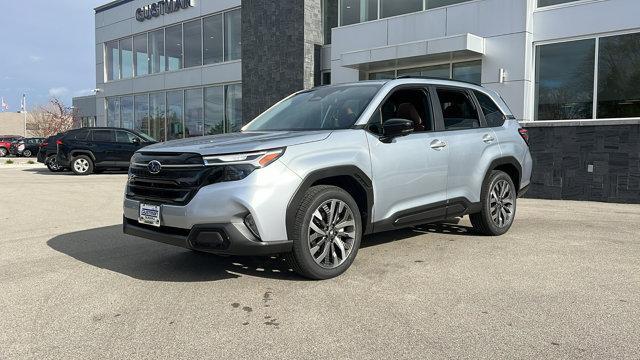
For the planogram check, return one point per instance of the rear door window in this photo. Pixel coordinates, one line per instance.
(458, 111)
(125, 137)
(492, 113)
(103, 135)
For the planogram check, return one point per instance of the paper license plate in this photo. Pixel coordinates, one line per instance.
(149, 215)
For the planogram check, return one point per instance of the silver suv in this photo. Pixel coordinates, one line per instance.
(320, 169)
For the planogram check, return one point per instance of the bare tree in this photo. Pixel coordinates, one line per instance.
(53, 118)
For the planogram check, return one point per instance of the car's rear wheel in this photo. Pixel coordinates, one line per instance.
(26, 153)
(327, 232)
(52, 164)
(82, 165)
(498, 205)
(3, 152)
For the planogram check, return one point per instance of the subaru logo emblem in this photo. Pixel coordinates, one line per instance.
(154, 166)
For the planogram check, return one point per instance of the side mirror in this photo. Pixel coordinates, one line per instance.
(394, 128)
(135, 141)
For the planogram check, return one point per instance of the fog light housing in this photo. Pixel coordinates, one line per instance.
(250, 223)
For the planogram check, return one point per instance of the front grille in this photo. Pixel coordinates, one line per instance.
(180, 178)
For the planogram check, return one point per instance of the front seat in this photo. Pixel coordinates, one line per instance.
(409, 112)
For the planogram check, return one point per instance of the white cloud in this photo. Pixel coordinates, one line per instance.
(35, 58)
(83, 92)
(58, 91)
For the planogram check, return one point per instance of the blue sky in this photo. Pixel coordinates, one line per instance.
(47, 48)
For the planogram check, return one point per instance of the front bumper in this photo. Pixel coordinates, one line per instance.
(223, 239)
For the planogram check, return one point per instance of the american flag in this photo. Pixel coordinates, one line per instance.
(3, 105)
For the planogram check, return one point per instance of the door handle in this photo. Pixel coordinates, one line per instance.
(488, 138)
(438, 145)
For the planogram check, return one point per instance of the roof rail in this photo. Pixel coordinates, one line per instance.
(434, 78)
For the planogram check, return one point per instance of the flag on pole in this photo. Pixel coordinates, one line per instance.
(23, 103)
(3, 105)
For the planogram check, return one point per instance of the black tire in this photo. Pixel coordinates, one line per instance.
(484, 222)
(52, 165)
(85, 169)
(300, 259)
(3, 152)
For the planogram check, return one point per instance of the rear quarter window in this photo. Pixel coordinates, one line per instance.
(492, 113)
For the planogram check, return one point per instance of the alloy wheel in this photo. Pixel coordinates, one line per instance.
(502, 203)
(332, 233)
(81, 165)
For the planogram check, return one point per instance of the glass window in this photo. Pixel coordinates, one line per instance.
(194, 113)
(564, 80)
(156, 51)
(112, 60)
(125, 137)
(458, 111)
(406, 104)
(173, 47)
(329, 18)
(213, 39)
(126, 56)
(103, 135)
(214, 110)
(322, 108)
(140, 55)
(78, 135)
(383, 75)
(193, 43)
(618, 64)
(492, 113)
(432, 4)
(355, 11)
(157, 118)
(398, 7)
(126, 112)
(470, 71)
(326, 78)
(233, 109)
(542, 3)
(233, 35)
(175, 112)
(113, 112)
(437, 71)
(141, 117)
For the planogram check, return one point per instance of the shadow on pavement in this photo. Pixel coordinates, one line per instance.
(109, 248)
(45, 171)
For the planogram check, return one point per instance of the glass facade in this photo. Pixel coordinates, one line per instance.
(469, 71)
(542, 3)
(357, 11)
(564, 80)
(179, 113)
(618, 75)
(209, 40)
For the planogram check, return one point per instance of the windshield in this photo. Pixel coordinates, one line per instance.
(325, 108)
(145, 137)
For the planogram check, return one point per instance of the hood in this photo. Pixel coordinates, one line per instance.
(238, 142)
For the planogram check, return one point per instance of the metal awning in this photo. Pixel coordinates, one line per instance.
(417, 51)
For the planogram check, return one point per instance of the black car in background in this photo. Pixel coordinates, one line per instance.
(26, 147)
(89, 150)
(48, 151)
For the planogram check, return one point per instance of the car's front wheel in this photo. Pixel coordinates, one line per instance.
(3, 152)
(82, 165)
(498, 205)
(327, 232)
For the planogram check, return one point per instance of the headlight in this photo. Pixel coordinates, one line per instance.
(234, 167)
(258, 159)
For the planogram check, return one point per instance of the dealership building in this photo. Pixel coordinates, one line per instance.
(569, 70)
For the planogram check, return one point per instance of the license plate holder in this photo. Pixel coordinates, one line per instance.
(150, 214)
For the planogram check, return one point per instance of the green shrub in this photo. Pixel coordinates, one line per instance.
(30, 162)
(9, 162)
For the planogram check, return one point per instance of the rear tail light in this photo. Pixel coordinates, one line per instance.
(525, 135)
(43, 144)
(58, 142)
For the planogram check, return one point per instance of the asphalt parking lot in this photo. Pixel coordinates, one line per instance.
(563, 283)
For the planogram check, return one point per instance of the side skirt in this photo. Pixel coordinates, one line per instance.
(426, 214)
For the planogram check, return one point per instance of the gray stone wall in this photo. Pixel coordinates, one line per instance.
(596, 163)
(279, 55)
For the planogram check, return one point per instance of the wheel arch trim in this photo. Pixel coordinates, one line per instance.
(352, 171)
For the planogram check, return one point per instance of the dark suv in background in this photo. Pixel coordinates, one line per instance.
(26, 147)
(48, 151)
(89, 150)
